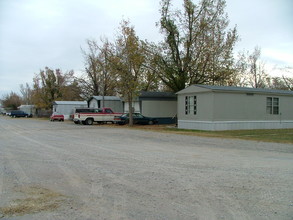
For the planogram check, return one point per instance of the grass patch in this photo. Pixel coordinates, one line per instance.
(36, 199)
(266, 135)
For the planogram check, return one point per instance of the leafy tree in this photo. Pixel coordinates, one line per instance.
(127, 61)
(11, 101)
(50, 85)
(70, 88)
(197, 46)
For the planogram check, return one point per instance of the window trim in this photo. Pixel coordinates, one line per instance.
(273, 105)
(191, 105)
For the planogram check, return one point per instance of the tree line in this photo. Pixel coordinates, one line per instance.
(197, 48)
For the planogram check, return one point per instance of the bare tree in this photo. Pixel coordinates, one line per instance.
(98, 80)
(27, 93)
(277, 83)
(257, 74)
(251, 70)
(288, 80)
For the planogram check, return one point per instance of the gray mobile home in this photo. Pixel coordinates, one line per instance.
(112, 102)
(160, 105)
(207, 107)
(66, 108)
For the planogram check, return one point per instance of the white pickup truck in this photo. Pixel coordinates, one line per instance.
(91, 115)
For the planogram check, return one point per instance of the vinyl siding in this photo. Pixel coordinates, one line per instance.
(159, 108)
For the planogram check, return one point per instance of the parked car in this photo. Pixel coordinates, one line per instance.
(18, 113)
(56, 117)
(137, 119)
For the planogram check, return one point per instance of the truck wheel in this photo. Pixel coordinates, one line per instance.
(89, 121)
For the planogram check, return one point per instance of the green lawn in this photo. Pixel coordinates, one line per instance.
(272, 135)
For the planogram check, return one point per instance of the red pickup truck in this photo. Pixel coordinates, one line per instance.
(88, 116)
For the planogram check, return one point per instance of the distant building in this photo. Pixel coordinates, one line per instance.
(67, 108)
(29, 109)
(112, 102)
(160, 105)
(205, 107)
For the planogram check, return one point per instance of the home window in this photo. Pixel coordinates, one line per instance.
(272, 105)
(190, 105)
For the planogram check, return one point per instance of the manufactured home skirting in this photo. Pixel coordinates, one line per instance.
(233, 125)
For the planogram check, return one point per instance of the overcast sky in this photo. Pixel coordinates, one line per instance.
(39, 33)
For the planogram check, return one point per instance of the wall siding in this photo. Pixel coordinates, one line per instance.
(135, 105)
(233, 125)
(66, 110)
(159, 108)
(240, 106)
(93, 103)
(116, 106)
(205, 103)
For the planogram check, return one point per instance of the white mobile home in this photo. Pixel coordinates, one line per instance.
(66, 108)
(206, 107)
(112, 102)
(29, 109)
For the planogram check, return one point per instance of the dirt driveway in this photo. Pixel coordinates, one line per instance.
(55, 170)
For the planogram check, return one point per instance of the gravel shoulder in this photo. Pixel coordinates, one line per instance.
(55, 170)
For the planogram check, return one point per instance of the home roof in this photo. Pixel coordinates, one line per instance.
(144, 94)
(26, 106)
(70, 102)
(108, 98)
(243, 89)
(158, 96)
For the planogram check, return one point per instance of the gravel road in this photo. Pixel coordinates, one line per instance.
(59, 170)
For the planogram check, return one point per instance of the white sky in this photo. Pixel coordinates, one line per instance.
(39, 33)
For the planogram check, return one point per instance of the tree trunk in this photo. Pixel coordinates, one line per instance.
(130, 110)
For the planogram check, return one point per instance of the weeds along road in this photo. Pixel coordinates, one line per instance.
(55, 170)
